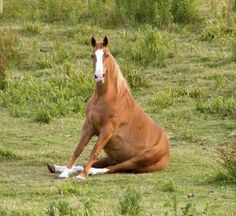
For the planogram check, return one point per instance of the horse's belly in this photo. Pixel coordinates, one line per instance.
(120, 149)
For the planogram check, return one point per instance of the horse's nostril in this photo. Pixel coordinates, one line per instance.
(103, 75)
(95, 76)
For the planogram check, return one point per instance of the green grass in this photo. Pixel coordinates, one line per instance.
(47, 76)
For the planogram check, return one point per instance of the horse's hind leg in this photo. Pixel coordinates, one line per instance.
(128, 165)
(102, 162)
(160, 165)
(156, 158)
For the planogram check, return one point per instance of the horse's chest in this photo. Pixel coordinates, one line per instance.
(96, 118)
(98, 113)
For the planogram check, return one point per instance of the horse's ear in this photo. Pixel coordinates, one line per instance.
(93, 42)
(105, 41)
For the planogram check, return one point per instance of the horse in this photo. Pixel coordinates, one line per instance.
(132, 141)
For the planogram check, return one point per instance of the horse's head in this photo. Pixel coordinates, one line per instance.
(100, 54)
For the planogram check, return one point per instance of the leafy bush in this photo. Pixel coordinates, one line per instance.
(130, 204)
(184, 11)
(228, 163)
(149, 46)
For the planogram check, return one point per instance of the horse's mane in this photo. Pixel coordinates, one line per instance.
(121, 83)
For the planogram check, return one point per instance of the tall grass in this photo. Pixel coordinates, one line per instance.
(234, 50)
(214, 29)
(221, 106)
(2, 72)
(44, 10)
(31, 28)
(184, 11)
(114, 12)
(6, 154)
(135, 78)
(59, 95)
(60, 208)
(9, 48)
(227, 161)
(150, 46)
(156, 12)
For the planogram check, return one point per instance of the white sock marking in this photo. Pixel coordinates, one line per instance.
(65, 172)
(94, 171)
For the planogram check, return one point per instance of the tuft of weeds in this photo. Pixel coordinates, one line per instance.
(186, 210)
(130, 204)
(6, 154)
(222, 106)
(44, 61)
(60, 208)
(67, 188)
(150, 46)
(234, 50)
(61, 54)
(9, 52)
(213, 30)
(184, 11)
(31, 28)
(2, 73)
(43, 115)
(227, 161)
(161, 101)
(169, 186)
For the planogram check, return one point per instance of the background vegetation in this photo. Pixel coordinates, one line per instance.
(179, 57)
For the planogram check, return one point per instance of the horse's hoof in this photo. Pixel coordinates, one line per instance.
(51, 168)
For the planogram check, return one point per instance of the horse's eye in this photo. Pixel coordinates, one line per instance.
(92, 56)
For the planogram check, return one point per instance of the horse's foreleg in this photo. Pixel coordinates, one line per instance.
(86, 135)
(105, 134)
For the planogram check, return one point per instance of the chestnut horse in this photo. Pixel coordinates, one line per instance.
(131, 140)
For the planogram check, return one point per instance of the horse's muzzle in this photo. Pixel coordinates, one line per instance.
(99, 79)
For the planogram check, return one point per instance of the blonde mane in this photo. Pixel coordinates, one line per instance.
(121, 83)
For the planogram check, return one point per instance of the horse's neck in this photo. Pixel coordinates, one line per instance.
(114, 81)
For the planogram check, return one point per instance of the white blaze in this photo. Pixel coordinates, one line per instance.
(99, 69)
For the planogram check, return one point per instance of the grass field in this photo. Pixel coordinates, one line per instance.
(184, 76)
